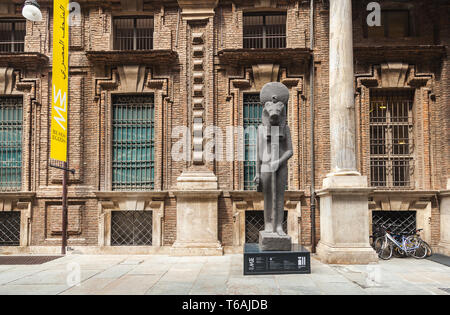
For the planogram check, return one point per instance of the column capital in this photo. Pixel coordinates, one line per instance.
(197, 9)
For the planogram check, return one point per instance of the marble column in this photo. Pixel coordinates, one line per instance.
(342, 99)
(444, 244)
(344, 209)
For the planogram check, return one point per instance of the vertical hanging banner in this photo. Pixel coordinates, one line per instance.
(60, 81)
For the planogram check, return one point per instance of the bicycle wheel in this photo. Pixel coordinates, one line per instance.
(429, 249)
(420, 250)
(398, 252)
(384, 248)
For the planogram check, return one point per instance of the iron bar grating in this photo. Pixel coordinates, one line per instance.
(254, 223)
(131, 228)
(401, 221)
(10, 228)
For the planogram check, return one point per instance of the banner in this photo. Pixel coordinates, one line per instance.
(60, 78)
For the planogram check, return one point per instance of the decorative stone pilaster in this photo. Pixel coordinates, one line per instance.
(344, 209)
(197, 194)
(444, 244)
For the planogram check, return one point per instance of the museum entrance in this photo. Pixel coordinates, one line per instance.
(10, 228)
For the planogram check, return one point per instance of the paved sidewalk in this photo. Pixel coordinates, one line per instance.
(217, 275)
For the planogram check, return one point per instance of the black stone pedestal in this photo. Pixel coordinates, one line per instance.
(257, 262)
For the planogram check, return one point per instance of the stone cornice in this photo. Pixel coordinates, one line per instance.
(138, 195)
(197, 9)
(17, 195)
(125, 57)
(21, 60)
(281, 56)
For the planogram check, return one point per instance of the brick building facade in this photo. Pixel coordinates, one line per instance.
(138, 69)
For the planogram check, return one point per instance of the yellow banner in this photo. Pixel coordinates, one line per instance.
(60, 84)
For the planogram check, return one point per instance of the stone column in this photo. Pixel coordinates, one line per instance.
(444, 244)
(344, 209)
(197, 195)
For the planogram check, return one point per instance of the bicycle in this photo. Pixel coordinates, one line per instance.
(407, 245)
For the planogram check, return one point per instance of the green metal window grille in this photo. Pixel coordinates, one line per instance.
(133, 143)
(11, 117)
(252, 118)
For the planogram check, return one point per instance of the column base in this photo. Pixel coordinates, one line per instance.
(346, 255)
(344, 221)
(196, 249)
(444, 248)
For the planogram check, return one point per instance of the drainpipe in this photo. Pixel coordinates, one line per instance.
(313, 156)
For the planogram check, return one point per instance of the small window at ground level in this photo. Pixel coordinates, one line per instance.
(254, 222)
(10, 228)
(131, 228)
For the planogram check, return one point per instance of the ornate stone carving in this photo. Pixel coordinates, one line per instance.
(265, 73)
(7, 80)
(131, 78)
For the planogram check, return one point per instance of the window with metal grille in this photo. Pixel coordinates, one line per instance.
(10, 228)
(394, 24)
(133, 33)
(10, 143)
(391, 138)
(265, 30)
(131, 228)
(252, 119)
(398, 222)
(12, 35)
(133, 142)
(254, 222)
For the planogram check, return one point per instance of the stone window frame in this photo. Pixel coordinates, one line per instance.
(19, 202)
(13, 84)
(135, 201)
(122, 83)
(391, 75)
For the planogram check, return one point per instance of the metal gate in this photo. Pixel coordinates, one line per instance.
(10, 228)
(400, 221)
(131, 228)
(254, 222)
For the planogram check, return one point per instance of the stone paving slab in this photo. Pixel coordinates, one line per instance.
(158, 274)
